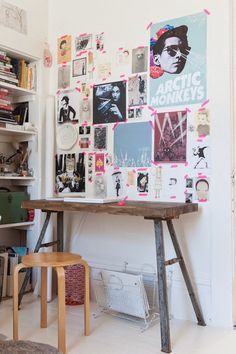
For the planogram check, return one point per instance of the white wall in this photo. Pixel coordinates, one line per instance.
(205, 237)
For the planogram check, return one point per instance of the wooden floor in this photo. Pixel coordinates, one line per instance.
(111, 335)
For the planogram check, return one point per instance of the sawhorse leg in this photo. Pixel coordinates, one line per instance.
(188, 283)
(162, 288)
(36, 249)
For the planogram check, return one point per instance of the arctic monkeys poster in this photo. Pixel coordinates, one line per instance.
(178, 61)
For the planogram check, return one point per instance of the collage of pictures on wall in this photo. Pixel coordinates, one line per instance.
(134, 123)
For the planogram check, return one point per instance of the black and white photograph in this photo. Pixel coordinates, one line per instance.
(83, 42)
(131, 113)
(142, 182)
(189, 183)
(139, 60)
(68, 107)
(63, 77)
(85, 110)
(79, 67)
(117, 184)
(109, 102)
(100, 187)
(70, 173)
(81, 130)
(137, 90)
(100, 138)
(188, 197)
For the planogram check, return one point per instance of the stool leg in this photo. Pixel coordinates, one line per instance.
(44, 284)
(18, 267)
(61, 309)
(86, 301)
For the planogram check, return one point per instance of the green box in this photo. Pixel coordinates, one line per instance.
(10, 207)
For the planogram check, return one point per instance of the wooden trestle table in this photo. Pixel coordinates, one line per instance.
(156, 211)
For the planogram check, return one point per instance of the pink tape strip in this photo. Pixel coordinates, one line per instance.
(151, 108)
(141, 46)
(83, 34)
(100, 125)
(149, 25)
(120, 48)
(206, 11)
(201, 109)
(116, 168)
(188, 109)
(125, 198)
(154, 113)
(186, 163)
(78, 89)
(99, 174)
(202, 200)
(121, 76)
(173, 197)
(202, 135)
(174, 165)
(186, 176)
(202, 176)
(142, 169)
(154, 162)
(199, 140)
(134, 171)
(152, 125)
(64, 36)
(58, 92)
(143, 194)
(115, 125)
(205, 103)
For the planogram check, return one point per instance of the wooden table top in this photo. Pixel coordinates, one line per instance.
(151, 210)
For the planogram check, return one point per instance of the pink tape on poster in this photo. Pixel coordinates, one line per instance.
(89, 142)
(173, 197)
(202, 200)
(185, 192)
(116, 168)
(81, 53)
(206, 12)
(64, 36)
(78, 82)
(85, 99)
(199, 140)
(120, 48)
(201, 109)
(149, 25)
(202, 176)
(125, 198)
(99, 174)
(188, 109)
(58, 92)
(127, 184)
(78, 89)
(202, 135)
(141, 107)
(186, 163)
(100, 125)
(186, 176)
(205, 103)
(151, 123)
(143, 194)
(91, 85)
(74, 123)
(125, 81)
(84, 124)
(134, 171)
(142, 169)
(83, 34)
(154, 163)
(121, 76)
(104, 79)
(174, 165)
(151, 108)
(141, 46)
(104, 52)
(64, 65)
(115, 125)
(154, 113)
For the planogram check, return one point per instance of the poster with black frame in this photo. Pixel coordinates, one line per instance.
(109, 102)
(178, 61)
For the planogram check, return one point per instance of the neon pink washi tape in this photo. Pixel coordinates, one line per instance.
(58, 92)
(78, 89)
(64, 36)
(83, 34)
(149, 25)
(205, 103)
(121, 76)
(116, 168)
(141, 46)
(143, 194)
(173, 197)
(202, 176)
(151, 123)
(206, 11)
(151, 108)
(186, 163)
(134, 171)
(201, 109)
(142, 169)
(115, 125)
(188, 109)
(174, 165)
(186, 176)
(154, 162)
(120, 48)
(199, 140)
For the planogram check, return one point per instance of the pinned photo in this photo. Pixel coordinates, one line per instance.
(109, 102)
(137, 90)
(79, 67)
(63, 49)
(202, 123)
(99, 41)
(100, 138)
(64, 77)
(139, 60)
(68, 107)
(83, 42)
(142, 182)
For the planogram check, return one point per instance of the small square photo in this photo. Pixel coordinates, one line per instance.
(79, 67)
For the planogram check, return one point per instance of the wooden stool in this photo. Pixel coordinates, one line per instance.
(56, 260)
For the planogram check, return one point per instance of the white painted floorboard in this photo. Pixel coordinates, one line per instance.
(111, 335)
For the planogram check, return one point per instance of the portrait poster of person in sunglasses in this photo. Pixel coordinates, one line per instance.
(178, 61)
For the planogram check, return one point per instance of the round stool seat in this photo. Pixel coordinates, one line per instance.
(26, 347)
(51, 259)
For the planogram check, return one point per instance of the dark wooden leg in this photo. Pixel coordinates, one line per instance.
(60, 231)
(162, 288)
(195, 304)
(36, 249)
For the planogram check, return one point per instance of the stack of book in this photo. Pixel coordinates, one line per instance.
(6, 109)
(25, 72)
(7, 73)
